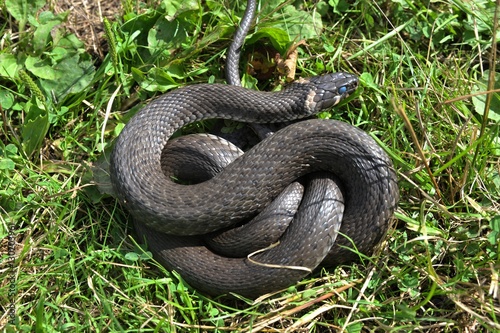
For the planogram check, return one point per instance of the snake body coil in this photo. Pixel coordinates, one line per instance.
(166, 212)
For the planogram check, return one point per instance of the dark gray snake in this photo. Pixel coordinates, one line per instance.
(353, 185)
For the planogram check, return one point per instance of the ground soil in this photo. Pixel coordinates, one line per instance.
(85, 20)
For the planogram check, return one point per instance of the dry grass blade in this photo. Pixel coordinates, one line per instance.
(284, 314)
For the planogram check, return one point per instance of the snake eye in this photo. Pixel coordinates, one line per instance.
(342, 90)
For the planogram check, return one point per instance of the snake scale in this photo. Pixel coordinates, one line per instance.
(350, 198)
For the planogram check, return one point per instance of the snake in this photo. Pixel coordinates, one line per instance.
(348, 201)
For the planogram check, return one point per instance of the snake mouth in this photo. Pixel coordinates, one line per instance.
(332, 88)
(351, 84)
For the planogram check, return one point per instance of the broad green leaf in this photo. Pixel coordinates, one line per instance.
(6, 99)
(10, 150)
(137, 74)
(41, 68)
(35, 128)
(322, 7)
(42, 36)
(70, 42)
(176, 71)
(494, 235)
(71, 75)
(132, 256)
(58, 54)
(8, 65)
(278, 37)
(296, 24)
(175, 8)
(301, 24)
(339, 6)
(159, 80)
(7, 164)
(22, 9)
(480, 100)
(169, 34)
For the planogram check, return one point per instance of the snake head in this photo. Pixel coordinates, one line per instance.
(331, 88)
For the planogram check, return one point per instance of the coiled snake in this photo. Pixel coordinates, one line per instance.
(171, 215)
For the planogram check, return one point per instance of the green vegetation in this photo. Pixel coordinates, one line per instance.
(425, 69)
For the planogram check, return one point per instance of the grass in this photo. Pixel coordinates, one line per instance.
(426, 70)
